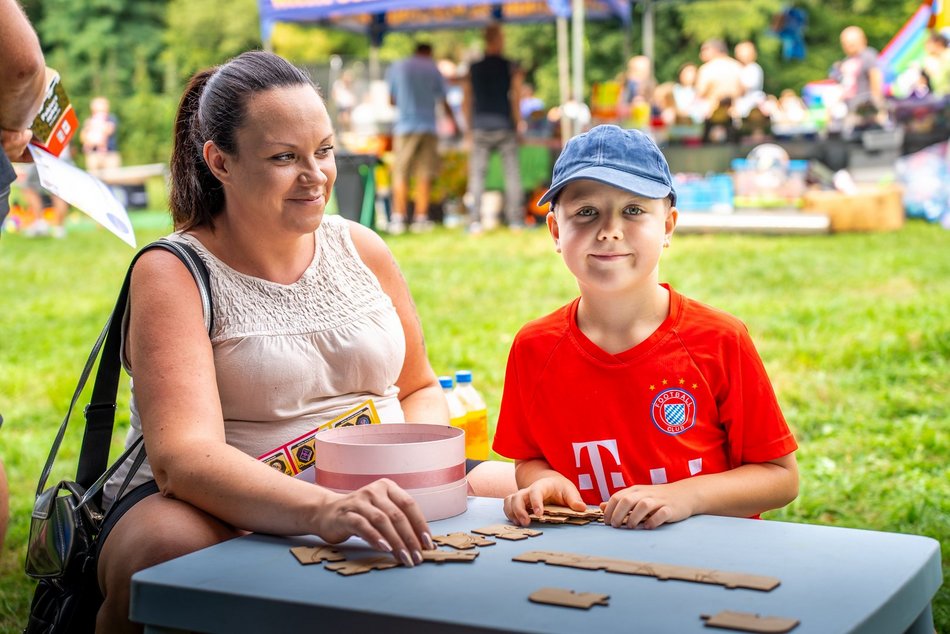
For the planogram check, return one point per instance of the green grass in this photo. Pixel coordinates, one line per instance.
(853, 328)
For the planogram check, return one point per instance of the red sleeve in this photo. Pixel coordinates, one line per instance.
(513, 437)
(755, 426)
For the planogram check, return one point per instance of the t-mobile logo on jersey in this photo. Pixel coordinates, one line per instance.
(592, 449)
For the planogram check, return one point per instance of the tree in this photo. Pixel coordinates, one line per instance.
(207, 33)
(94, 43)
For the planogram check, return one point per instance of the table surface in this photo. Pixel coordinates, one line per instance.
(832, 580)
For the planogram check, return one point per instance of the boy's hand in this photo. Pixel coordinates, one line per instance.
(554, 489)
(646, 506)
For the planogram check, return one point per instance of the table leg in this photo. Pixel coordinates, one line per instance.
(924, 623)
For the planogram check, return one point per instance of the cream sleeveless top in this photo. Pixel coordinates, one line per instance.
(289, 358)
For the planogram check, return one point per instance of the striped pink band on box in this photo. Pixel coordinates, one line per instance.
(416, 480)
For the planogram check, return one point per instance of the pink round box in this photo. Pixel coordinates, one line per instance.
(428, 461)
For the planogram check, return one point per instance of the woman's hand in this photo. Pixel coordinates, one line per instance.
(555, 489)
(646, 506)
(383, 515)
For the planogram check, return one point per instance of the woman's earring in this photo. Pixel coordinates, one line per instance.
(666, 242)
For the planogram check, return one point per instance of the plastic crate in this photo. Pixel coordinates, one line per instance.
(713, 193)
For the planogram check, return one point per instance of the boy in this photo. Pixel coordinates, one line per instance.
(632, 396)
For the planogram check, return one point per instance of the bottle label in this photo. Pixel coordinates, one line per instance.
(476, 435)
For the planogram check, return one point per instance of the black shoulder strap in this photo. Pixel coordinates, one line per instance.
(100, 413)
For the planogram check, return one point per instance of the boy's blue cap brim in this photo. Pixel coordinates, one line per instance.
(626, 181)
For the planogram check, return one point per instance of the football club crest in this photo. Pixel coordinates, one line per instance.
(674, 411)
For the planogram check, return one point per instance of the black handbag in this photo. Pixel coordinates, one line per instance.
(67, 517)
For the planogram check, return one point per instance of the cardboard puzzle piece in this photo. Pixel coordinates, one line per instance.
(749, 622)
(556, 514)
(441, 556)
(660, 571)
(568, 598)
(462, 541)
(547, 519)
(359, 566)
(592, 512)
(579, 521)
(307, 555)
(507, 531)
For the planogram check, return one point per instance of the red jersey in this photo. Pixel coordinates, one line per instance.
(692, 398)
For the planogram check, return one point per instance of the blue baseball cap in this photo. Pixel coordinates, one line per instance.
(627, 159)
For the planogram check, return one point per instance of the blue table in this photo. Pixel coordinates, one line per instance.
(832, 580)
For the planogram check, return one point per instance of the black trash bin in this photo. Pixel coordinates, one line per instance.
(355, 188)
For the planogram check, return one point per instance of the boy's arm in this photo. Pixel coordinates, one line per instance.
(744, 491)
(538, 483)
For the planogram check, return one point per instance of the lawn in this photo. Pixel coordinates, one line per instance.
(853, 328)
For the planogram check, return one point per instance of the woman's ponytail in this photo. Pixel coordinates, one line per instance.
(195, 193)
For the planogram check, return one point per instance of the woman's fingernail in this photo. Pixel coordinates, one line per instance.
(405, 558)
(427, 541)
(417, 557)
(383, 545)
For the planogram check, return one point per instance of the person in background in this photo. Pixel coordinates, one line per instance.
(23, 81)
(858, 74)
(416, 88)
(789, 108)
(664, 104)
(719, 78)
(633, 397)
(344, 99)
(99, 137)
(752, 78)
(532, 111)
(636, 85)
(455, 96)
(492, 123)
(688, 106)
(33, 193)
(936, 64)
(311, 318)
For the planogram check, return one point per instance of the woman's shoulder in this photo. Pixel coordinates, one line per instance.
(367, 243)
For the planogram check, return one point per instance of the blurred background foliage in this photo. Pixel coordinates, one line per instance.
(140, 53)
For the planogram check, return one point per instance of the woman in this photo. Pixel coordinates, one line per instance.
(311, 316)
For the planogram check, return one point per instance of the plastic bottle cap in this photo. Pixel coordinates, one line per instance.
(463, 376)
(445, 381)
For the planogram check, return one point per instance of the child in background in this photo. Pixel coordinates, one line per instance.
(634, 397)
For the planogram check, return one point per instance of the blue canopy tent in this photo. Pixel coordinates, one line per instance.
(375, 18)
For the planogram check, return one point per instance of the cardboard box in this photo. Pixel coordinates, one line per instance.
(56, 121)
(877, 208)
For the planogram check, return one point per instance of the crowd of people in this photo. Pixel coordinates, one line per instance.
(720, 96)
(729, 89)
